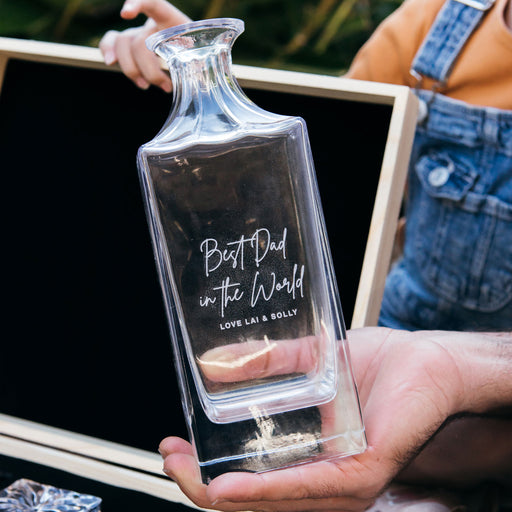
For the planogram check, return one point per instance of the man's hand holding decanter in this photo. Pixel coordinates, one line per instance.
(409, 384)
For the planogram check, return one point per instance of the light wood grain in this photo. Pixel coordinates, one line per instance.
(93, 469)
(386, 211)
(81, 444)
(247, 76)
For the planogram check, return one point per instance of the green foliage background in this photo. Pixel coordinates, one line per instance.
(310, 35)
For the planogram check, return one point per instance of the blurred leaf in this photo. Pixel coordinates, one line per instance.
(315, 20)
(214, 9)
(70, 10)
(332, 27)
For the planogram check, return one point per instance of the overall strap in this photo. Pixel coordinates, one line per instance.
(452, 27)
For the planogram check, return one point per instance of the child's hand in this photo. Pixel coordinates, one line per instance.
(128, 48)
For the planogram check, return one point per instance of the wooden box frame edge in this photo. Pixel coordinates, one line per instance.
(136, 469)
(88, 457)
(394, 164)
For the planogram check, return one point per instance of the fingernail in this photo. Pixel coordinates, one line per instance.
(169, 473)
(166, 87)
(109, 57)
(127, 6)
(143, 84)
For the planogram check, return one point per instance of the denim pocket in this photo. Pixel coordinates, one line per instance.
(462, 238)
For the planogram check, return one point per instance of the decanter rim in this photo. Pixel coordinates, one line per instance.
(228, 23)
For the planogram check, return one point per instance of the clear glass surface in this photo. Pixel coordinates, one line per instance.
(244, 264)
(29, 496)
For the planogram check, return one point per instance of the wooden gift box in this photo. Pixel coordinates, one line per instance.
(87, 385)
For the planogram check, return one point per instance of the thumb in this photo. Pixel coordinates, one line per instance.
(162, 12)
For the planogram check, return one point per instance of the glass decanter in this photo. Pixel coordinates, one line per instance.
(245, 268)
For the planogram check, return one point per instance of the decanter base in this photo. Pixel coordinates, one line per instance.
(285, 450)
(282, 440)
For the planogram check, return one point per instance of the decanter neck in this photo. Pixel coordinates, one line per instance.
(207, 100)
(205, 90)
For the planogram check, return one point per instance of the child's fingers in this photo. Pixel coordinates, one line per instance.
(107, 47)
(124, 52)
(162, 12)
(148, 64)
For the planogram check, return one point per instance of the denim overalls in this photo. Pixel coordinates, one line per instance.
(456, 271)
